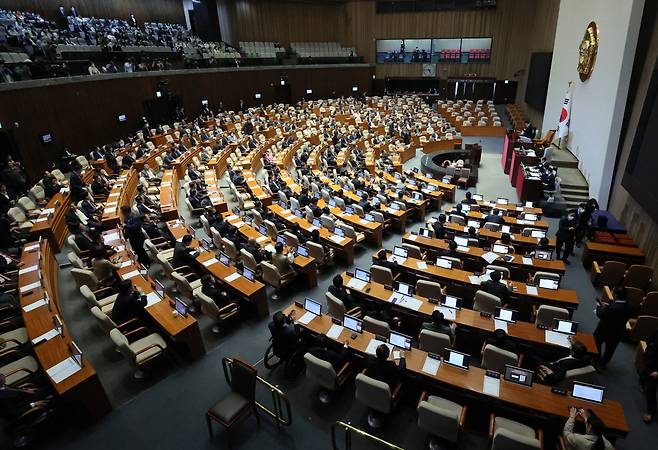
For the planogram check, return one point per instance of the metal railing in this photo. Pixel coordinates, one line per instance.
(281, 411)
(349, 429)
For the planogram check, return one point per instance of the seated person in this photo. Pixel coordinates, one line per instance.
(129, 303)
(212, 289)
(103, 268)
(285, 335)
(506, 239)
(469, 200)
(544, 244)
(494, 217)
(594, 429)
(440, 325)
(496, 287)
(341, 292)
(552, 373)
(183, 254)
(283, 262)
(381, 368)
(380, 259)
(252, 247)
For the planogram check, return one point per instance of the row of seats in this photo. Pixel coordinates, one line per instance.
(260, 49)
(13, 58)
(321, 49)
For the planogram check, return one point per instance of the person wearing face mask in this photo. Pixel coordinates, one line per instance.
(565, 236)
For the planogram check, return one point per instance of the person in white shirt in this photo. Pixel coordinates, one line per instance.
(93, 70)
(128, 67)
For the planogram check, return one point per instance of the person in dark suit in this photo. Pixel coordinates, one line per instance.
(494, 217)
(183, 255)
(129, 303)
(83, 239)
(284, 334)
(612, 324)
(495, 287)
(132, 226)
(380, 260)
(469, 200)
(554, 372)
(440, 325)
(457, 211)
(529, 131)
(210, 288)
(322, 350)
(380, 368)
(341, 293)
(649, 377)
(77, 184)
(565, 236)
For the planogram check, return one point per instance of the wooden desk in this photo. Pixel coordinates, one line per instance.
(122, 194)
(169, 195)
(595, 251)
(373, 230)
(83, 386)
(538, 399)
(518, 240)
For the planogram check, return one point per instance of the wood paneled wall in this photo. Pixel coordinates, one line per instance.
(83, 113)
(144, 10)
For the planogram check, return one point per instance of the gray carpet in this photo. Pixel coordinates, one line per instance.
(167, 411)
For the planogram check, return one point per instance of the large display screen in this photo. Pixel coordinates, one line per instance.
(445, 50)
(403, 50)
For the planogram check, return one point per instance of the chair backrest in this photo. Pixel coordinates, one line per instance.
(258, 219)
(433, 342)
(26, 203)
(327, 222)
(492, 226)
(89, 296)
(248, 260)
(243, 379)
(428, 289)
(321, 371)
(375, 326)
(271, 274)
(272, 232)
(70, 240)
(539, 275)
(17, 214)
(164, 262)
(206, 225)
(546, 315)
(316, 251)
(208, 307)
(291, 239)
(381, 275)
(413, 250)
(216, 239)
(486, 302)
(644, 328)
(582, 374)
(182, 285)
(373, 393)
(504, 439)
(335, 306)
(454, 218)
(495, 358)
(105, 322)
(75, 261)
(638, 276)
(612, 273)
(504, 270)
(440, 421)
(84, 277)
(121, 342)
(650, 304)
(230, 249)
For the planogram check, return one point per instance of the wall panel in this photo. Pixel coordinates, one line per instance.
(144, 10)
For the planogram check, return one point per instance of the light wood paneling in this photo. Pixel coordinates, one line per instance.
(144, 10)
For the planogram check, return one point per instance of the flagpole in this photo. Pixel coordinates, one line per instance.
(569, 83)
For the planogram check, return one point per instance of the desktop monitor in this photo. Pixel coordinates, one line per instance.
(205, 245)
(332, 202)
(589, 392)
(312, 306)
(507, 315)
(529, 205)
(428, 175)
(281, 240)
(317, 223)
(248, 220)
(362, 275)
(506, 229)
(262, 229)
(76, 353)
(159, 289)
(299, 214)
(224, 259)
(339, 232)
(538, 234)
(546, 283)
(248, 274)
(456, 359)
(446, 180)
(395, 206)
(544, 255)
(473, 223)
(417, 196)
(352, 323)
(122, 118)
(451, 301)
(518, 375)
(477, 197)
(204, 102)
(302, 251)
(444, 263)
(180, 307)
(500, 248)
(257, 95)
(502, 201)
(349, 210)
(425, 232)
(359, 193)
(403, 288)
(400, 251)
(565, 326)
(466, 207)
(283, 204)
(46, 138)
(463, 242)
(369, 218)
(431, 188)
(400, 340)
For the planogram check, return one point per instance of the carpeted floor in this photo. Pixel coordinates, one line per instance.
(166, 412)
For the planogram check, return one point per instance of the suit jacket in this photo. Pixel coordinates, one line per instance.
(127, 307)
(342, 295)
(182, 256)
(577, 441)
(498, 289)
(561, 366)
(217, 295)
(282, 263)
(83, 241)
(612, 319)
(334, 357)
(386, 371)
(494, 218)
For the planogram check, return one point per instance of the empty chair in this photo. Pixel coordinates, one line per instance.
(220, 316)
(351, 233)
(85, 278)
(486, 302)
(249, 261)
(12, 336)
(413, 251)
(459, 220)
(230, 249)
(106, 302)
(492, 226)
(272, 232)
(539, 275)
(336, 307)
(323, 373)
(18, 218)
(378, 327)
(377, 396)
(638, 276)
(141, 351)
(272, 276)
(316, 251)
(582, 374)
(18, 370)
(642, 328)
(506, 434)
(291, 239)
(433, 342)
(440, 417)
(649, 306)
(494, 358)
(184, 286)
(429, 289)
(464, 178)
(381, 275)
(546, 315)
(240, 402)
(76, 262)
(611, 274)
(328, 223)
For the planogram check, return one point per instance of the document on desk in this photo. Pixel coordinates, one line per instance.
(151, 299)
(463, 248)
(28, 269)
(527, 261)
(491, 386)
(337, 239)
(363, 222)
(262, 239)
(500, 325)
(129, 275)
(396, 259)
(334, 331)
(63, 370)
(111, 237)
(231, 217)
(531, 290)
(355, 283)
(405, 301)
(125, 264)
(474, 279)
(413, 237)
(48, 335)
(490, 257)
(374, 343)
(41, 219)
(109, 210)
(35, 305)
(306, 318)
(234, 276)
(448, 313)
(30, 286)
(270, 248)
(561, 339)
(210, 262)
(422, 265)
(431, 365)
(238, 224)
(31, 248)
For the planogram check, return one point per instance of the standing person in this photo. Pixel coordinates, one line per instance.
(132, 226)
(649, 377)
(612, 324)
(594, 428)
(565, 236)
